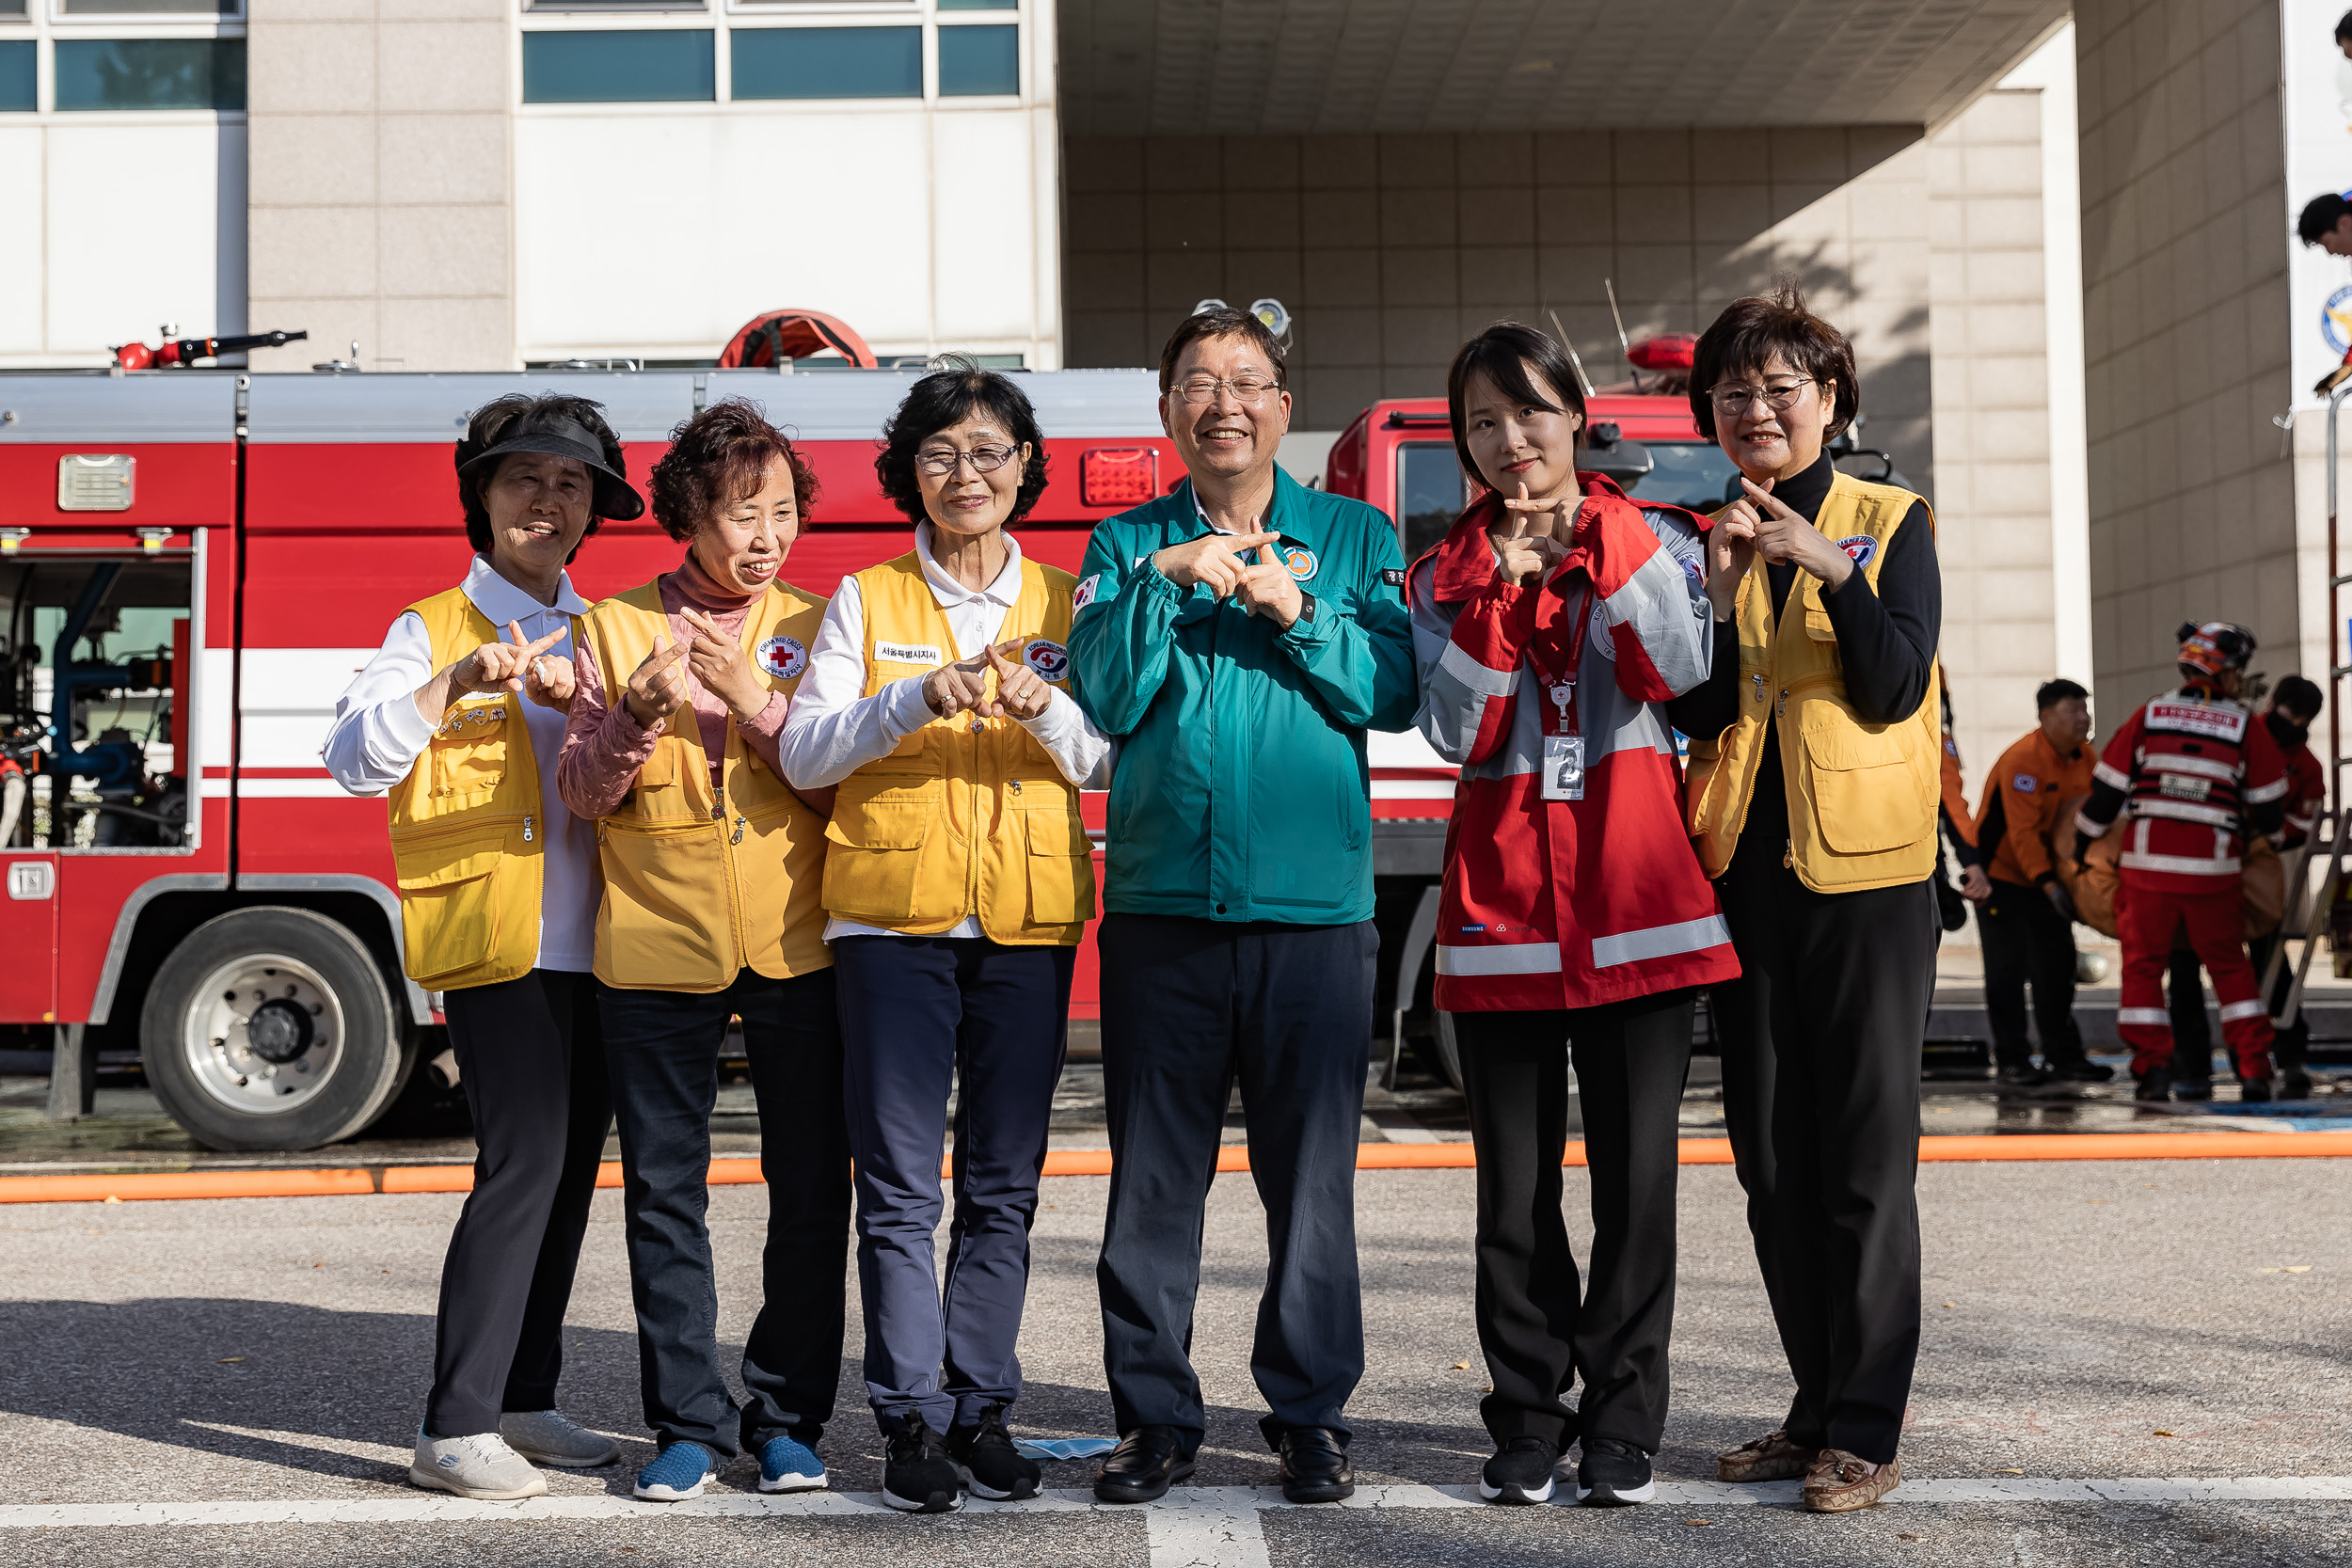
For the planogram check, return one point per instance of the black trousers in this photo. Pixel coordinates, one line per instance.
(2027, 939)
(1821, 1042)
(2192, 1033)
(1631, 1059)
(532, 1063)
(2291, 1047)
(1189, 1006)
(663, 1048)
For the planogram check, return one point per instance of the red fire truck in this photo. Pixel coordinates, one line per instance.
(196, 562)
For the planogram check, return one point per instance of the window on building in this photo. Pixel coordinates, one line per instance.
(150, 73)
(979, 5)
(828, 62)
(642, 67)
(19, 73)
(11, 7)
(974, 61)
(151, 8)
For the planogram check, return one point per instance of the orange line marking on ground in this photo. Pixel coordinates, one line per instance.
(1989, 1149)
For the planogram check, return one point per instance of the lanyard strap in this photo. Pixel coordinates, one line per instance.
(1560, 687)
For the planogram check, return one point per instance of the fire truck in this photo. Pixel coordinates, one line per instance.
(198, 562)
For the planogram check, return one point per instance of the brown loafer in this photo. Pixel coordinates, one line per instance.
(1772, 1458)
(1839, 1482)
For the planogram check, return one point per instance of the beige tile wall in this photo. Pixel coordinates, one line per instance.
(1391, 249)
(380, 184)
(2185, 331)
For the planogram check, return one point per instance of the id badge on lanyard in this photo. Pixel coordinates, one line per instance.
(1564, 746)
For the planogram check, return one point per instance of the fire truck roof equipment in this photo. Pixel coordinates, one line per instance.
(773, 337)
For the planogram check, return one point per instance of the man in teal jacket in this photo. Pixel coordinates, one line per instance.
(1239, 635)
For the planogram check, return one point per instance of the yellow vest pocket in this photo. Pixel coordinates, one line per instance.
(449, 914)
(1061, 865)
(873, 854)
(469, 751)
(1865, 792)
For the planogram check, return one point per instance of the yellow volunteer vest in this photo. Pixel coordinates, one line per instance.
(466, 841)
(1862, 797)
(956, 822)
(700, 886)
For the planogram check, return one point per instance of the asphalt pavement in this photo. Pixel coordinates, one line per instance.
(243, 1378)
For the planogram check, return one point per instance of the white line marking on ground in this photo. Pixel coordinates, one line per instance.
(1202, 1524)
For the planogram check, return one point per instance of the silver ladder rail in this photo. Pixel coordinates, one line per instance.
(2311, 911)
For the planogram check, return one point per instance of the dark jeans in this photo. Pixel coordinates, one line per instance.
(530, 1059)
(663, 1048)
(1821, 1042)
(1189, 1006)
(919, 1016)
(2027, 939)
(1631, 1058)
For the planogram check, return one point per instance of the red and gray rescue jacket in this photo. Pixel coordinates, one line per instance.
(2192, 774)
(1554, 904)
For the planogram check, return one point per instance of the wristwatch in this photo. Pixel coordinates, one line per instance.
(1305, 606)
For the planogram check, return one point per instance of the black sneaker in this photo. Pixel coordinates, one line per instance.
(2021, 1075)
(2082, 1070)
(2253, 1091)
(1520, 1472)
(1613, 1474)
(918, 1476)
(991, 1467)
(2294, 1083)
(2152, 1086)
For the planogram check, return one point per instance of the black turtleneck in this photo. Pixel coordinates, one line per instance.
(1886, 645)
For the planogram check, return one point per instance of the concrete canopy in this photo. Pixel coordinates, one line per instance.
(1291, 67)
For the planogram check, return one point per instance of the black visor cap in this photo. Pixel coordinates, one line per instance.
(560, 437)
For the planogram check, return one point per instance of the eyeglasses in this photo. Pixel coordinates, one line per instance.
(984, 460)
(1200, 390)
(1737, 400)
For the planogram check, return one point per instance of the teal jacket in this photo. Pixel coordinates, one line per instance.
(1241, 791)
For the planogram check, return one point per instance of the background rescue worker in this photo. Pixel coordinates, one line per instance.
(958, 880)
(498, 893)
(2194, 776)
(1241, 634)
(1959, 823)
(2027, 924)
(711, 873)
(2292, 708)
(1556, 618)
(1813, 797)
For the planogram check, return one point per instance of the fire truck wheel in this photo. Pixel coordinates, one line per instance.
(271, 1028)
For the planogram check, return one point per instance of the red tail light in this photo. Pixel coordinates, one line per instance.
(1119, 476)
(1667, 351)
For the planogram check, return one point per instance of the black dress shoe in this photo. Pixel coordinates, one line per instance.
(1315, 1467)
(1146, 1463)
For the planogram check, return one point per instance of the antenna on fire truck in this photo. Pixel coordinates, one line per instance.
(1569, 343)
(1623, 343)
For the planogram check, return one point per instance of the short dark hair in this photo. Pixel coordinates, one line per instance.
(1504, 354)
(1744, 338)
(2344, 26)
(2056, 691)
(2320, 215)
(1221, 321)
(2298, 696)
(716, 459)
(949, 397)
(493, 421)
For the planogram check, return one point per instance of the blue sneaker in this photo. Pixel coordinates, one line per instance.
(677, 1473)
(787, 1464)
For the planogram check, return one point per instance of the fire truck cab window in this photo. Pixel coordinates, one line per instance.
(1691, 474)
(150, 73)
(1430, 492)
(827, 62)
(643, 67)
(93, 707)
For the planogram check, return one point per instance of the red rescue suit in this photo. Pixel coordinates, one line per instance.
(1567, 903)
(2191, 774)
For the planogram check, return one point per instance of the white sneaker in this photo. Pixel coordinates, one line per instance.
(551, 1437)
(480, 1466)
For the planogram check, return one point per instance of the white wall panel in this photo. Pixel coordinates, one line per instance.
(134, 219)
(984, 244)
(21, 280)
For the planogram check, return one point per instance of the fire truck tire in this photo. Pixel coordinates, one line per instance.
(271, 1028)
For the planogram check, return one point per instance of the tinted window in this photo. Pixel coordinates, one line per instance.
(17, 72)
(979, 60)
(618, 68)
(828, 62)
(1691, 474)
(150, 73)
(1429, 493)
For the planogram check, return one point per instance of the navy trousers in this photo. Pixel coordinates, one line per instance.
(1189, 1006)
(661, 1048)
(921, 1015)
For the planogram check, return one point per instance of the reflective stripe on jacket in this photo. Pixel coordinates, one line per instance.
(959, 821)
(699, 886)
(467, 842)
(2185, 772)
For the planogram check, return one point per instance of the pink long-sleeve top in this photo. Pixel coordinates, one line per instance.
(604, 746)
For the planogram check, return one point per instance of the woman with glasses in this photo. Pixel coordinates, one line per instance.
(1550, 627)
(958, 883)
(1814, 782)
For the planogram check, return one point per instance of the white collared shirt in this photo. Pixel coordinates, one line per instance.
(378, 735)
(835, 729)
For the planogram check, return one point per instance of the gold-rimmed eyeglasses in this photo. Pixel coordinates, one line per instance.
(939, 463)
(1779, 396)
